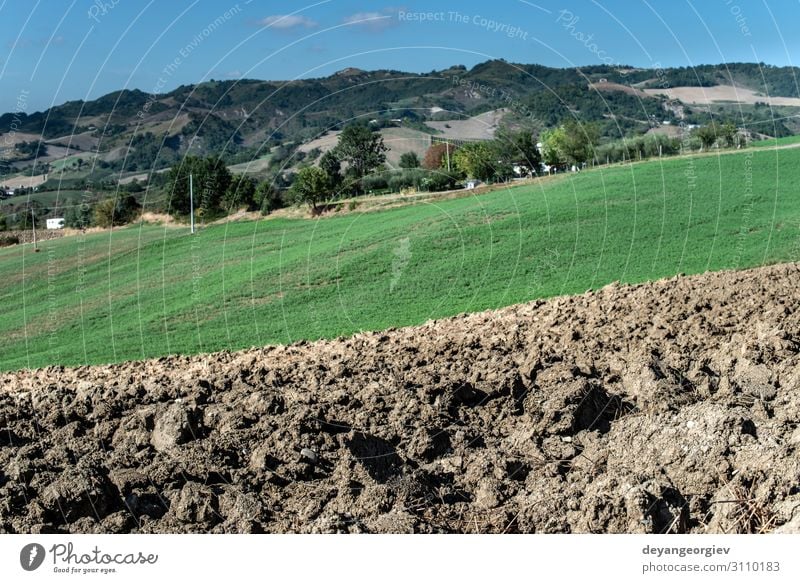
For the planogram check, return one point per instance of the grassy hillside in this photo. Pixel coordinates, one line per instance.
(148, 291)
(776, 142)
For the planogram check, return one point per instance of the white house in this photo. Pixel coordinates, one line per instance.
(53, 224)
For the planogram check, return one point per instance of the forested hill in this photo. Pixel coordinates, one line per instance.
(228, 117)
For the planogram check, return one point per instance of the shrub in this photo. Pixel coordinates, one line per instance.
(409, 160)
(8, 240)
(406, 179)
(438, 181)
(109, 212)
(374, 182)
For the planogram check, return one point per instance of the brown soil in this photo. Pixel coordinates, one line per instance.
(667, 407)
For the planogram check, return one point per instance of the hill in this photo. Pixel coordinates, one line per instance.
(131, 131)
(147, 291)
(669, 407)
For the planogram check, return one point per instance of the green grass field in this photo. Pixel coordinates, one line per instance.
(774, 142)
(147, 291)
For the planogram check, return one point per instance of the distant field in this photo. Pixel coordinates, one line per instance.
(402, 140)
(18, 181)
(324, 143)
(721, 94)
(148, 291)
(251, 167)
(82, 141)
(11, 139)
(480, 127)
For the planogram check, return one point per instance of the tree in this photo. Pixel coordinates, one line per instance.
(211, 179)
(241, 193)
(32, 149)
(436, 156)
(580, 141)
(362, 149)
(310, 187)
(708, 134)
(440, 180)
(332, 167)
(128, 209)
(78, 215)
(25, 216)
(476, 160)
(728, 133)
(554, 146)
(104, 213)
(3, 223)
(134, 186)
(409, 160)
(214, 181)
(523, 151)
(267, 197)
(501, 160)
(110, 212)
(570, 143)
(515, 149)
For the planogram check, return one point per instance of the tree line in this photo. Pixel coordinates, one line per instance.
(357, 166)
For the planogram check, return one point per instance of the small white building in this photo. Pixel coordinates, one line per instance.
(53, 224)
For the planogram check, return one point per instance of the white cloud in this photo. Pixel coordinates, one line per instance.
(284, 22)
(375, 21)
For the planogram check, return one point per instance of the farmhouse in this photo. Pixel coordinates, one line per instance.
(53, 224)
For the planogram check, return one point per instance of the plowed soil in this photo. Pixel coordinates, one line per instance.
(666, 407)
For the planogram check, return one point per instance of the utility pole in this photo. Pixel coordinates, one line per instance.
(33, 223)
(447, 149)
(191, 201)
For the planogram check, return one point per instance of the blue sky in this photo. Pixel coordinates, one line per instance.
(60, 50)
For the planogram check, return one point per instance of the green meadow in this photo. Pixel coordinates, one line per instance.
(776, 142)
(146, 291)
